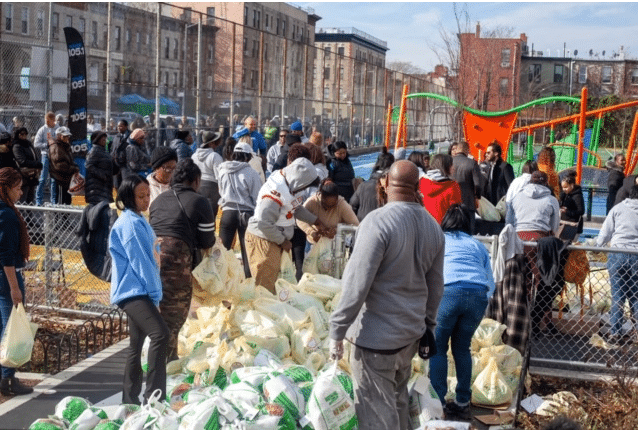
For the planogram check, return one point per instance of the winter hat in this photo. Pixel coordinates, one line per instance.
(161, 155)
(137, 133)
(243, 147)
(96, 136)
(296, 126)
(210, 137)
(181, 134)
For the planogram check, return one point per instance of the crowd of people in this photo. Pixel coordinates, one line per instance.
(415, 268)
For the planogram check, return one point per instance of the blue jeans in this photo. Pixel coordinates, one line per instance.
(6, 304)
(460, 313)
(623, 276)
(44, 175)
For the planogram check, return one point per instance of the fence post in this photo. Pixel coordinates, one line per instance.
(158, 72)
(48, 262)
(199, 72)
(107, 108)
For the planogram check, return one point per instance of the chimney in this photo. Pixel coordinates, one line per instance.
(478, 29)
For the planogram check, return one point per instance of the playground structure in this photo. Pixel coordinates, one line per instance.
(482, 129)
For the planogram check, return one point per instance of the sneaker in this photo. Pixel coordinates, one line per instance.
(455, 412)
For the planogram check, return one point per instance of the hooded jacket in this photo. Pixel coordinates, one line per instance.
(342, 173)
(614, 182)
(534, 209)
(364, 200)
(182, 149)
(29, 161)
(439, 193)
(280, 201)
(208, 161)
(239, 186)
(621, 226)
(7, 159)
(137, 160)
(61, 165)
(99, 176)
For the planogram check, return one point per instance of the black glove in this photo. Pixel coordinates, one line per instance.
(427, 345)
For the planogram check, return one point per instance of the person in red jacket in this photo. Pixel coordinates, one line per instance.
(439, 191)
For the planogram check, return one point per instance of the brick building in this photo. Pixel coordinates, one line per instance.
(489, 71)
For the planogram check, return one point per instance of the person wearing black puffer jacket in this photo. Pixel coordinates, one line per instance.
(572, 204)
(615, 179)
(365, 200)
(29, 163)
(340, 170)
(99, 171)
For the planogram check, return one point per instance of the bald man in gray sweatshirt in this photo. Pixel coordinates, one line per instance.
(392, 286)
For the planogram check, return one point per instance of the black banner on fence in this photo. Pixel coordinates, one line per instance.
(77, 94)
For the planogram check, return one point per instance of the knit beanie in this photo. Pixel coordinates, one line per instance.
(161, 155)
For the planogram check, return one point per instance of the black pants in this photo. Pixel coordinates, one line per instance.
(64, 198)
(228, 226)
(210, 190)
(298, 251)
(144, 320)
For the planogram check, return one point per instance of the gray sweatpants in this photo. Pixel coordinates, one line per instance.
(381, 388)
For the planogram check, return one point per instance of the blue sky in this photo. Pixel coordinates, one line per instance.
(411, 28)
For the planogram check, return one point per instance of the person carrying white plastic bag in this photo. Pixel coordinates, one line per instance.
(17, 340)
(14, 253)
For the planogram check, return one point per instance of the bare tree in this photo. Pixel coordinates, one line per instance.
(406, 67)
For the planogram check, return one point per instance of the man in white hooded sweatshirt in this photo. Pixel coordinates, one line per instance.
(279, 203)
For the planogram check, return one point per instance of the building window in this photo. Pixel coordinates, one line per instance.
(606, 76)
(24, 22)
(341, 73)
(118, 38)
(243, 77)
(167, 47)
(503, 86)
(255, 19)
(283, 28)
(210, 11)
(277, 29)
(8, 17)
(128, 38)
(138, 41)
(326, 92)
(341, 51)
(39, 23)
(326, 73)
(55, 24)
(245, 15)
(267, 23)
(69, 21)
(252, 79)
(259, 19)
(211, 53)
(326, 52)
(82, 27)
(265, 52)
(94, 34)
(534, 73)
(559, 71)
(210, 86)
(175, 49)
(505, 57)
(255, 49)
(582, 74)
(634, 76)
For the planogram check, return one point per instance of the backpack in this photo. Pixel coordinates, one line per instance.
(119, 151)
(93, 231)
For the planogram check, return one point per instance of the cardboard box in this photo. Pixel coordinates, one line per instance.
(572, 324)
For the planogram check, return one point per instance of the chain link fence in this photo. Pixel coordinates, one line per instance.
(204, 72)
(56, 276)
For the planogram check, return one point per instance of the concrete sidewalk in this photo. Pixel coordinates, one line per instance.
(96, 378)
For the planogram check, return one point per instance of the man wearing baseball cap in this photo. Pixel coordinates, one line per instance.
(61, 165)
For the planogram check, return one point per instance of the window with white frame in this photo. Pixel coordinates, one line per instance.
(505, 57)
(606, 75)
(210, 11)
(559, 71)
(8, 17)
(582, 74)
(503, 86)
(24, 21)
(634, 77)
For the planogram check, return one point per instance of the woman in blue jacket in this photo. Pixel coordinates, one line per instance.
(137, 289)
(468, 284)
(14, 252)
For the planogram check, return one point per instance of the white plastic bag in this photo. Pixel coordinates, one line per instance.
(76, 187)
(424, 402)
(284, 392)
(209, 272)
(70, 408)
(490, 387)
(17, 342)
(320, 259)
(288, 271)
(155, 415)
(330, 405)
(322, 287)
(487, 211)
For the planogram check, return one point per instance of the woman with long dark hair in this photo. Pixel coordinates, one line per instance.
(340, 170)
(29, 162)
(136, 288)
(14, 253)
